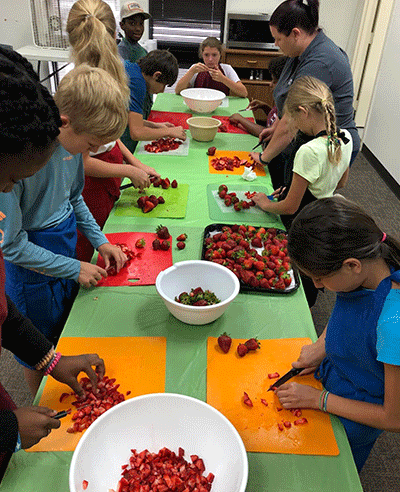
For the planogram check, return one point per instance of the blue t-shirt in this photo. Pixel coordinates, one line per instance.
(388, 330)
(137, 86)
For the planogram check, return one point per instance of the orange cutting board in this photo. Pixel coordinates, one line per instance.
(242, 154)
(137, 363)
(229, 376)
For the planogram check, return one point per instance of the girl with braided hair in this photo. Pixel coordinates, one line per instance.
(320, 166)
(357, 357)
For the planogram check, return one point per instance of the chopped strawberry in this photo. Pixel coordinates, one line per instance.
(85, 484)
(148, 207)
(301, 421)
(242, 349)
(264, 402)
(64, 396)
(160, 200)
(280, 427)
(225, 341)
(246, 400)
(274, 375)
(287, 424)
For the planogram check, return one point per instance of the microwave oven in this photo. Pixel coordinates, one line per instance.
(249, 31)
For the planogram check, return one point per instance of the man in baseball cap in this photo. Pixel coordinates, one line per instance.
(132, 23)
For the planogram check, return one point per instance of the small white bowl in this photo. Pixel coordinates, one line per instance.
(203, 128)
(152, 422)
(187, 275)
(202, 100)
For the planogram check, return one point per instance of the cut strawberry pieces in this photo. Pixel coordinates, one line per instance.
(163, 472)
(229, 164)
(163, 145)
(89, 408)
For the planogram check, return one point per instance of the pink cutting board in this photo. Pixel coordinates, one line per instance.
(143, 269)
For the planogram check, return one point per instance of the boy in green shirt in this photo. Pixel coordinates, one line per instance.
(132, 23)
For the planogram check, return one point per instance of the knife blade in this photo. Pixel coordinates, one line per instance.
(291, 374)
(62, 414)
(124, 187)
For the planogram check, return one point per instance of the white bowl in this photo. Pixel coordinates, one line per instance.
(187, 275)
(203, 128)
(152, 422)
(202, 100)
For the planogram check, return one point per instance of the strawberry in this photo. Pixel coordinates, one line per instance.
(181, 237)
(301, 421)
(242, 349)
(162, 232)
(222, 187)
(174, 184)
(160, 199)
(211, 151)
(165, 184)
(141, 201)
(153, 199)
(156, 244)
(237, 206)
(157, 182)
(264, 402)
(180, 245)
(222, 194)
(140, 243)
(165, 245)
(148, 206)
(274, 375)
(259, 265)
(228, 201)
(256, 242)
(225, 341)
(245, 205)
(252, 344)
(246, 400)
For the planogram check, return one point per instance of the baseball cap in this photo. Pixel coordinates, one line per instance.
(129, 8)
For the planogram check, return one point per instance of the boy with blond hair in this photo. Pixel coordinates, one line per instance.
(43, 211)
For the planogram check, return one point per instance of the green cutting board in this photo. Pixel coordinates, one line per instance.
(219, 212)
(174, 206)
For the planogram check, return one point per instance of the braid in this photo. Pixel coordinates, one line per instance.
(334, 147)
(29, 118)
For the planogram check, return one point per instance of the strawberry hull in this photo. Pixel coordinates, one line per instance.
(246, 261)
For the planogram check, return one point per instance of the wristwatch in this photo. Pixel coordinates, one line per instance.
(264, 163)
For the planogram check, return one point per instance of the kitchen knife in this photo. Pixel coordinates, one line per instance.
(62, 414)
(124, 187)
(291, 374)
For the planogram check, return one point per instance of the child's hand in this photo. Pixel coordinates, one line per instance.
(69, 366)
(90, 274)
(256, 104)
(150, 171)
(166, 124)
(139, 178)
(310, 357)
(198, 67)
(177, 132)
(34, 423)
(262, 200)
(236, 118)
(295, 395)
(216, 74)
(266, 134)
(109, 251)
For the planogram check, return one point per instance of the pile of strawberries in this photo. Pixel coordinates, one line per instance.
(95, 403)
(163, 145)
(148, 202)
(112, 269)
(257, 256)
(231, 199)
(230, 163)
(163, 472)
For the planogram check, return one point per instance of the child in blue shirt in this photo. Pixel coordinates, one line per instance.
(42, 212)
(357, 357)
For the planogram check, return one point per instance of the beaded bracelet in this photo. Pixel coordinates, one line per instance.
(52, 364)
(321, 398)
(46, 360)
(18, 446)
(325, 401)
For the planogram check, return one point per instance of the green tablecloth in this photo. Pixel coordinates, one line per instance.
(138, 311)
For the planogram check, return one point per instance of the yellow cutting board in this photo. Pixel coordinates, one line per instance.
(137, 363)
(229, 376)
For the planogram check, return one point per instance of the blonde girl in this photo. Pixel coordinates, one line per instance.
(321, 165)
(91, 28)
(211, 73)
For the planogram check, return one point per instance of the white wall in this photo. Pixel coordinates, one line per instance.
(15, 23)
(381, 134)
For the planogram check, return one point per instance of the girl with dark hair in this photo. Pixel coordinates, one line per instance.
(29, 126)
(294, 25)
(357, 357)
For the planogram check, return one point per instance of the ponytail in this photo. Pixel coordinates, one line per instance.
(91, 28)
(296, 13)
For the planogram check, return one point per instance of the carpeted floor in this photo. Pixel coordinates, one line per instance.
(381, 473)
